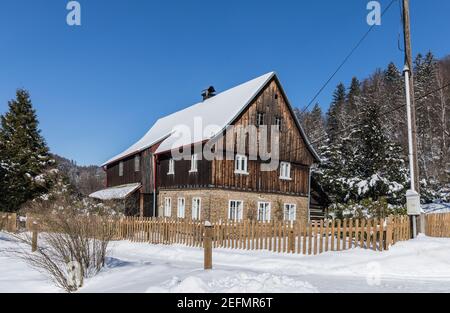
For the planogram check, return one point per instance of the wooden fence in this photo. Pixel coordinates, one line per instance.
(281, 237)
(8, 222)
(438, 225)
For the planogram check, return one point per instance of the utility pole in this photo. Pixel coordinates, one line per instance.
(412, 196)
(409, 63)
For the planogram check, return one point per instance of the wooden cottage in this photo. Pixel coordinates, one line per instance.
(236, 188)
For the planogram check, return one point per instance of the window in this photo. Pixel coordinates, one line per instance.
(264, 211)
(171, 167)
(235, 210)
(241, 165)
(121, 169)
(167, 207)
(194, 159)
(196, 208)
(181, 208)
(259, 119)
(290, 212)
(285, 170)
(137, 163)
(278, 122)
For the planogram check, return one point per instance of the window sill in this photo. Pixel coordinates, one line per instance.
(193, 171)
(241, 173)
(170, 174)
(286, 178)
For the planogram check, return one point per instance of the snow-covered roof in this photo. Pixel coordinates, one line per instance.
(115, 193)
(215, 114)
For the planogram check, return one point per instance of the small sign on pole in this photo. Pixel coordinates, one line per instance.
(413, 203)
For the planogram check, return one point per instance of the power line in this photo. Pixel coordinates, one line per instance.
(352, 127)
(346, 58)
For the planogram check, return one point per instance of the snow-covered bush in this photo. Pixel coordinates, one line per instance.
(73, 240)
(366, 208)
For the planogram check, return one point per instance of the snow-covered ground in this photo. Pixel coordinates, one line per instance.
(421, 265)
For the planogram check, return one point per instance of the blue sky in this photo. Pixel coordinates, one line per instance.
(97, 88)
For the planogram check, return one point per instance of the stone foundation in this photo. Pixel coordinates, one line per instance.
(215, 203)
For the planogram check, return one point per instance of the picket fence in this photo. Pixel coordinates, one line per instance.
(8, 222)
(438, 225)
(282, 237)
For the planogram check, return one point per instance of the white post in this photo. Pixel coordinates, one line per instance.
(412, 197)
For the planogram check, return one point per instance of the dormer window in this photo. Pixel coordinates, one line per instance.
(285, 170)
(137, 163)
(194, 165)
(241, 165)
(171, 167)
(120, 168)
(260, 119)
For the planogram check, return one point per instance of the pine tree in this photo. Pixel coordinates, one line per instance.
(24, 155)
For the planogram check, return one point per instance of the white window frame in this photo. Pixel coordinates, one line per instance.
(137, 163)
(290, 212)
(167, 207)
(264, 211)
(181, 207)
(171, 167)
(239, 167)
(121, 169)
(194, 163)
(285, 171)
(196, 208)
(238, 209)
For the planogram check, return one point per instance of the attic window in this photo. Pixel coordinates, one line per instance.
(121, 169)
(259, 119)
(194, 167)
(171, 167)
(276, 96)
(137, 163)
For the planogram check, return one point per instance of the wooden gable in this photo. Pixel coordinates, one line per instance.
(271, 102)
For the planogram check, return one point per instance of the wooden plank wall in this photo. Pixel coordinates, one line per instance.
(292, 149)
(130, 176)
(183, 178)
(147, 172)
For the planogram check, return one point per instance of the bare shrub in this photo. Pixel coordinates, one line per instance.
(73, 241)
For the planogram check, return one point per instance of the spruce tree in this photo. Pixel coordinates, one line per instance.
(381, 169)
(335, 113)
(352, 98)
(24, 156)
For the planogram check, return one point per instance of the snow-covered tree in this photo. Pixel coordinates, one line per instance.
(313, 123)
(336, 112)
(24, 155)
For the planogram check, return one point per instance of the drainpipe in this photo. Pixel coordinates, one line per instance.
(154, 185)
(309, 194)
